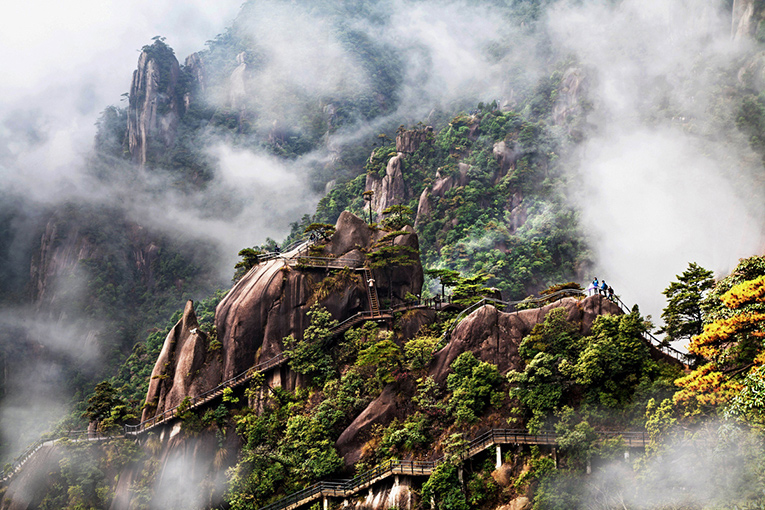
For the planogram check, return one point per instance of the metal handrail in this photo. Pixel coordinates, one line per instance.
(206, 396)
(667, 349)
(328, 262)
(549, 298)
(72, 435)
(344, 488)
(299, 245)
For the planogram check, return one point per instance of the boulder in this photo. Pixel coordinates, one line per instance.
(491, 335)
(506, 155)
(494, 336)
(269, 304)
(423, 208)
(183, 353)
(390, 404)
(519, 503)
(351, 233)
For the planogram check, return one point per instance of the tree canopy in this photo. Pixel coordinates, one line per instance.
(683, 316)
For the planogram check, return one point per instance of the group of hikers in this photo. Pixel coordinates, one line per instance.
(601, 288)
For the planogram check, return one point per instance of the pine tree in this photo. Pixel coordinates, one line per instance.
(683, 316)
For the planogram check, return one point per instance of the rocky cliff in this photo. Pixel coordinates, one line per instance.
(154, 106)
(746, 18)
(270, 303)
(70, 239)
(492, 336)
(195, 70)
(394, 189)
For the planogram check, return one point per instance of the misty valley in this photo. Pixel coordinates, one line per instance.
(386, 254)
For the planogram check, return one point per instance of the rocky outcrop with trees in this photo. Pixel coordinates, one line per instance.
(271, 303)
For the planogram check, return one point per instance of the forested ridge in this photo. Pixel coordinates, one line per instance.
(488, 184)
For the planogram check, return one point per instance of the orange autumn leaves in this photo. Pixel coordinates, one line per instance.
(711, 385)
(746, 292)
(724, 330)
(721, 331)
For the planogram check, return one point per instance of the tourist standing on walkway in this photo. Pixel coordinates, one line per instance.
(593, 288)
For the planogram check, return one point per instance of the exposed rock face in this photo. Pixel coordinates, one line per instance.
(743, 21)
(410, 140)
(491, 335)
(519, 503)
(382, 410)
(394, 494)
(183, 353)
(494, 336)
(390, 190)
(196, 70)
(506, 155)
(237, 88)
(27, 488)
(65, 243)
(440, 188)
(518, 213)
(154, 107)
(61, 248)
(269, 304)
(192, 471)
(569, 104)
(424, 209)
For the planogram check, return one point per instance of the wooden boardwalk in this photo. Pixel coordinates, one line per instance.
(493, 437)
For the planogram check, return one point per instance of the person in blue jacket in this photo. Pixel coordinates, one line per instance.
(603, 288)
(593, 288)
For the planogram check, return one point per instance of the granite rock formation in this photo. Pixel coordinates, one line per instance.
(491, 335)
(154, 107)
(270, 303)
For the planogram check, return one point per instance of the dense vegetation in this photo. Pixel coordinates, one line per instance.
(496, 214)
(512, 223)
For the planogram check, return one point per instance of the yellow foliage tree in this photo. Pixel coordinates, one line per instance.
(731, 345)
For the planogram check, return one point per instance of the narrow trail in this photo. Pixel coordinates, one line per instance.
(293, 257)
(493, 437)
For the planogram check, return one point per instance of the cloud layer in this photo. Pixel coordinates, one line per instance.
(665, 179)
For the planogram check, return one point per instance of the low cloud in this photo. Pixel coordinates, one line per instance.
(715, 465)
(665, 178)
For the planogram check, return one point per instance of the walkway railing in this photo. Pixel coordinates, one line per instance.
(492, 437)
(550, 298)
(203, 398)
(413, 468)
(72, 435)
(510, 305)
(662, 346)
(324, 262)
(291, 250)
